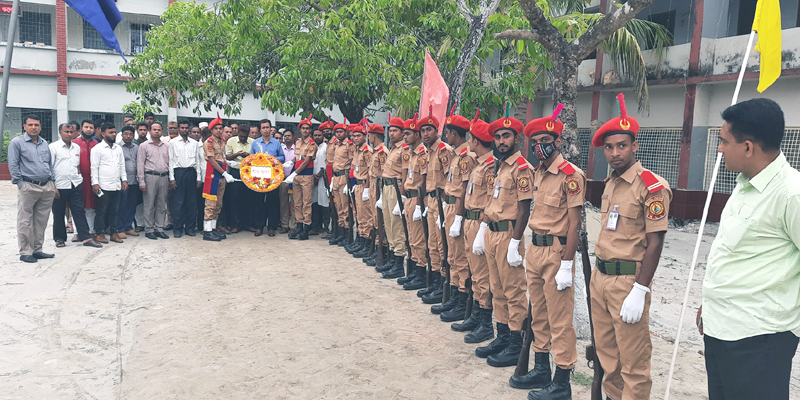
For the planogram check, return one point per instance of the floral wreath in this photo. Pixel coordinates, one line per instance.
(261, 172)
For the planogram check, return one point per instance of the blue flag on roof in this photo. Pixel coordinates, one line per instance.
(104, 16)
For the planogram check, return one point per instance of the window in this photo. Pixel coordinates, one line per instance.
(92, 38)
(667, 19)
(138, 37)
(35, 28)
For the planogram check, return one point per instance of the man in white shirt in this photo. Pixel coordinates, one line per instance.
(65, 157)
(108, 180)
(319, 197)
(184, 179)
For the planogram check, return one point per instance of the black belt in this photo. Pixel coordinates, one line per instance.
(40, 183)
(616, 267)
(184, 169)
(361, 181)
(501, 226)
(341, 172)
(432, 193)
(156, 173)
(450, 199)
(391, 181)
(412, 193)
(547, 240)
(472, 215)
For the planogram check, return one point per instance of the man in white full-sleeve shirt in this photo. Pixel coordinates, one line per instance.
(109, 179)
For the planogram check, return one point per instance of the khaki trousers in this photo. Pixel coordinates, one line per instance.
(33, 211)
(342, 202)
(477, 265)
(624, 349)
(287, 216)
(302, 190)
(393, 224)
(155, 202)
(507, 282)
(213, 207)
(551, 309)
(456, 254)
(363, 212)
(416, 234)
(434, 234)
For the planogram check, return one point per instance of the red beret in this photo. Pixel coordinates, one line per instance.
(506, 123)
(356, 128)
(342, 125)
(396, 122)
(377, 129)
(214, 122)
(412, 124)
(546, 125)
(306, 121)
(326, 125)
(457, 120)
(621, 124)
(480, 129)
(429, 120)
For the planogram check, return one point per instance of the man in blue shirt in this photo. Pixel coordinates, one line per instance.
(267, 206)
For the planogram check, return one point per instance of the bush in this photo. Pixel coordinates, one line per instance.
(6, 138)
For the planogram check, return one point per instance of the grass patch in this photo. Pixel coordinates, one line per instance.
(579, 378)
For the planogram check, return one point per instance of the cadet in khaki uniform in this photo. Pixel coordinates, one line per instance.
(506, 214)
(457, 174)
(342, 160)
(376, 165)
(558, 191)
(633, 225)
(302, 179)
(392, 174)
(415, 163)
(361, 162)
(214, 153)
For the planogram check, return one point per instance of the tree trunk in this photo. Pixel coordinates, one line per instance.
(351, 109)
(458, 79)
(565, 90)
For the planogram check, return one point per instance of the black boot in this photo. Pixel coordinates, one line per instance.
(373, 261)
(457, 313)
(449, 304)
(346, 237)
(536, 378)
(498, 344)
(437, 294)
(430, 288)
(559, 389)
(304, 229)
(408, 278)
(510, 355)
(397, 270)
(364, 250)
(387, 264)
(370, 251)
(297, 229)
(484, 331)
(472, 322)
(353, 247)
(418, 282)
(334, 239)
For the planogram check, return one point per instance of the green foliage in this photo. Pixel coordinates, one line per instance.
(137, 109)
(7, 136)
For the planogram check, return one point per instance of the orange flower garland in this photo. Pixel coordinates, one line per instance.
(261, 172)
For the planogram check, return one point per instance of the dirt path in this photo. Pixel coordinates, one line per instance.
(247, 318)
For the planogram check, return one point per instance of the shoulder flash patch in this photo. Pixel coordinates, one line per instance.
(442, 146)
(421, 149)
(405, 146)
(311, 141)
(522, 163)
(210, 139)
(463, 152)
(349, 142)
(653, 184)
(567, 168)
(490, 160)
(335, 140)
(365, 148)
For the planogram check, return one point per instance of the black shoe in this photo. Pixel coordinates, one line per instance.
(455, 297)
(388, 264)
(210, 236)
(558, 389)
(162, 235)
(397, 271)
(498, 344)
(304, 229)
(471, 323)
(371, 262)
(408, 278)
(191, 232)
(362, 251)
(484, 331)
(457, 313)
(355, 246)
(39, 255)
(418, 282)
(435, 283)
(28, 258)
(168, 227)
(510, 355)
(345, 238)
(177, 234)
(296, 233)
(536, 378)
(436, 295)
(151, 235)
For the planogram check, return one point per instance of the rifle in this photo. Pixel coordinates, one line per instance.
(470, 296)
(351, 209)
(381, 233)
(525, 353)
(409, 260)
(334, 225)
(443, 234)
(591, 353)
(429, 269)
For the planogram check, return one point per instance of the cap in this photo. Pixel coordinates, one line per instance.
(377, 129)
(412, 124)
(506, 122)
(359, 127)
(457, 120)
(621, 124)
(429, 120)
(549, 124)
(306, 121)
(396, 122)
(480, 129)
(342, 125)
(326, 125)
(202, 125)
(282, 130)
(214, 122)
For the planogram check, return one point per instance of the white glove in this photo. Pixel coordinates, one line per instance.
(379, 203)
(365, 194)
(234, 164)
(439, 222)
(288, 164)
(478, 244)
(564, 275)
(513, 257)
(633, 306)
(228, 177)
(417, 213)
(290, 178)
(344, 190)
(396, 210)
(455, 229)
(425, 212)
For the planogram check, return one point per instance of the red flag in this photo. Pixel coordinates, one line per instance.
(434, 92)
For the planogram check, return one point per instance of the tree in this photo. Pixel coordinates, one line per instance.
(572, 37)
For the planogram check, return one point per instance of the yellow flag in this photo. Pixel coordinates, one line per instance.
(768, 25)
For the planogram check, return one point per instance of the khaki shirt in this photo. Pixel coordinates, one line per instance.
(215, 148)
(440, 156)
(394, 162)
(641, 211)
(377, 163)
(416, 165)
(555, 191)
(361, 161)
(512, 184)
(330, 150)
(459, 172)
(343, 155)
(481, 183)
(305, 149)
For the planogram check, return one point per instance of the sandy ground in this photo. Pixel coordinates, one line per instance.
(262, 318)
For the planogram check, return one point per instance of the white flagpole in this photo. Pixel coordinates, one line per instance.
(703, 222)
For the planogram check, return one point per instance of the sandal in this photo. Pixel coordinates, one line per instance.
(60, 243)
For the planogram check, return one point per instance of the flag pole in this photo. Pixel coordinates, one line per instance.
(703, 222)
(12, 30)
